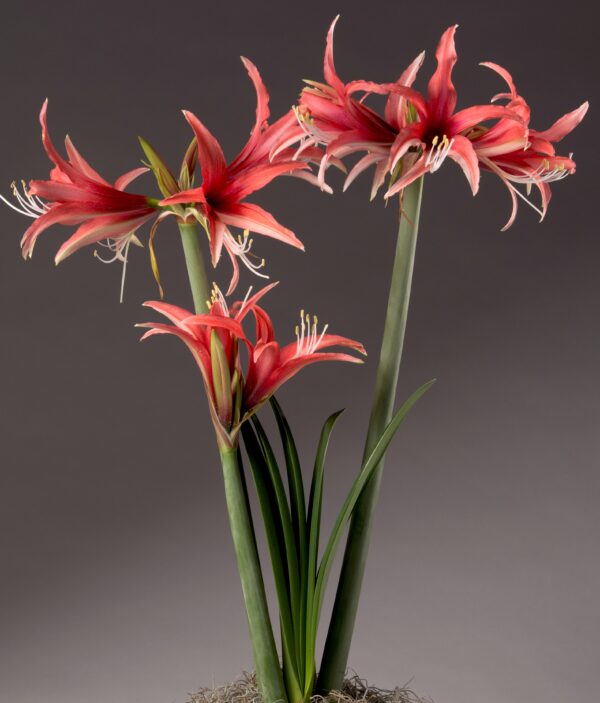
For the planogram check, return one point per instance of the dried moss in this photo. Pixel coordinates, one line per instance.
(354, 690)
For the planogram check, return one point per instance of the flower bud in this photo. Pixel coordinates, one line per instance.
(165, 179)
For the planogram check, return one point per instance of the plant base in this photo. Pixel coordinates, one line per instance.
(354, 690)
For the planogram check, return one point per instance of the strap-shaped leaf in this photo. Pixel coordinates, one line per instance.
(298, 514)
(273, 531)
(284, 514)
(367, 469)
(314, 525)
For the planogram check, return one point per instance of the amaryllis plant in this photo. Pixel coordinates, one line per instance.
(241, 362)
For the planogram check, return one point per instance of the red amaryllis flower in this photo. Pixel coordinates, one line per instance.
(440, 132)
(221, 199)
(419, 132)
(214, 338)
(331, 116)
(532, 163)
(77, 195)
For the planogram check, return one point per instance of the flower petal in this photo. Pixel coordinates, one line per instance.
(254, 218)
(210, 154)
(394, 106)
(262, 112)
(418, 169)
(59, 213)
(564, 125)
(254, 179)
(53, 154)
(123, 181)
(193, 195)
(241, 308)
(81, 164)
(471, 116)
(441, 91)
(362, 165)
(464, 155)
(103, 227)
(329, 71)
(501, 71)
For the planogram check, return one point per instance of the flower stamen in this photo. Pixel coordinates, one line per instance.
(439, 150)
(120, 250)
(29, 205)
(240, 247)
(308, 338)
(217, 297)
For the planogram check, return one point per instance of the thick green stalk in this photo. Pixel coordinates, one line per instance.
(339, 636)
(266, 659)
(194, 261)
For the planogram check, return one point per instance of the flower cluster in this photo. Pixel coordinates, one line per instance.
(77, 194)
(417, 132)
(215, 338)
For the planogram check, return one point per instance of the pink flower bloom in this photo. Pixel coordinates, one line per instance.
(214, 339)
(77, 195)
(331, 116)
(415, 134)
(440, 132)
(532, 163)
(221, 199)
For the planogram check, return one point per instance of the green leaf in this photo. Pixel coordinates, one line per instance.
(284, 514)
(165, 179)
(298, 515)
(273, 531)
(365, 473)
(314, 525)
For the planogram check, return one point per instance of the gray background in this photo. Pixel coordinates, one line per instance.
(118, 582)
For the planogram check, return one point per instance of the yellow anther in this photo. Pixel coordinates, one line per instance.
(435, 140)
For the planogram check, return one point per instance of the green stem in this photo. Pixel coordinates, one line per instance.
(339, 636)
(194, 261)
(266, 659)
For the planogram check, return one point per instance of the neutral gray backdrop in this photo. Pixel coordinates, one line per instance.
(117, 577)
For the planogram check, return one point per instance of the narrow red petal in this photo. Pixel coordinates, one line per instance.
(59, 213)
(210, 154)
(254, 218)
(123, 181)
(98, 228)
(441, 91)
(471, 116)
(329, 71)
(464, 155)
(81, 164)
(564, 125)
(262, 112)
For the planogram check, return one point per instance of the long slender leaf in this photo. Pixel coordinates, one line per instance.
(314, 523)
(284, 513)
(298, 514)
(272, 524)
(367, 469)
